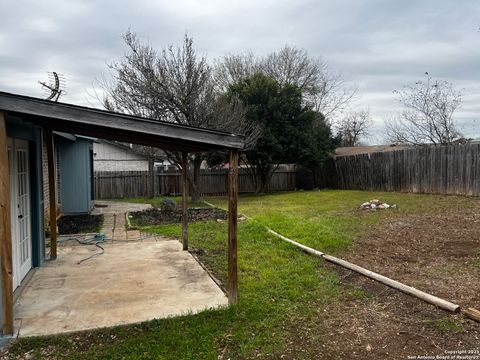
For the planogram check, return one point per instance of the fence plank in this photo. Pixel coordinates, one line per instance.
(451, 169)
(125, 184)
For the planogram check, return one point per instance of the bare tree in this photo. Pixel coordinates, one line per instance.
(428, 114)
(322, 88)
(334, 95)
(354, 127)
(233, 68)
(174, 85)
(293, 66)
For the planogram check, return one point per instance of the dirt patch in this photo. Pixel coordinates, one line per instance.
(76, 224)
(377, 322)
(158, 216)
(436, 253)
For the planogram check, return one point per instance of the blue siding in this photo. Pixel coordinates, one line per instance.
(75, 175)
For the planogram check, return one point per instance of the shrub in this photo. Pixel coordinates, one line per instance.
(168, 204)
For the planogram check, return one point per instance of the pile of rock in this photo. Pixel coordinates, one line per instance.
(376, 204)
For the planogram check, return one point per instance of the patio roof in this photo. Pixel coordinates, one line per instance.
(96, 123)
(116, 126)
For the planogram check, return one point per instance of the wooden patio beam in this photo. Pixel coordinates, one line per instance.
(52, 184)
(5, 233)
(232, 227)
(184, 201)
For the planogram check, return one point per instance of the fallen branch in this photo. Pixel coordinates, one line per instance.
(472, 313)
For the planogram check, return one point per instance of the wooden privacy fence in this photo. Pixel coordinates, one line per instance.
(124, 184)
(453, 169)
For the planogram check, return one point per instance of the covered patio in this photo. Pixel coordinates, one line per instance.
(133, 281)
(130, 283)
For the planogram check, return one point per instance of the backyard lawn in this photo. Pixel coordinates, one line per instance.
(296, 306)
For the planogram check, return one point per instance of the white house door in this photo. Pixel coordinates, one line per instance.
(20, 209)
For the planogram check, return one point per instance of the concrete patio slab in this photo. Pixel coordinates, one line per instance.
(131, 282)
(117, 207)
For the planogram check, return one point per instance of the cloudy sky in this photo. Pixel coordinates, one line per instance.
(378, 45)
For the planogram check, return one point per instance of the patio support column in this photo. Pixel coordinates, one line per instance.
(184, 201)
(52, 184)
(232, 228)
(5, 233)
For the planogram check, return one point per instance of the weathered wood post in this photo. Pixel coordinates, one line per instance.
(52, 192)
(232, 227)
(151, 177)
(5, 233)
(184, 201)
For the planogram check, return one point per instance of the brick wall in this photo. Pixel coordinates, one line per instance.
(46, 196)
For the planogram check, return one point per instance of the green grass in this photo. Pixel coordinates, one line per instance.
(329, 220)
(446, 325)
(280, 287)
(277, 284)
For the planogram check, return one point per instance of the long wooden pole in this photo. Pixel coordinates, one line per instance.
(5, 233)
(232, 227)
(184, 201)
(447, 305)
(52, 184)
(434, 300)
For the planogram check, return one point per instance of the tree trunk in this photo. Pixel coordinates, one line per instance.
(195, 189)
(264, 177)
(314, 174)
(151, 178)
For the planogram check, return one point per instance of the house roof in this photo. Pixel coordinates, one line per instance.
(159, 154)
(73, 137)
(357, 150)
(116, 126)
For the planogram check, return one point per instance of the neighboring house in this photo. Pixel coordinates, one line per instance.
(357, 150)
(25, 124)
(110, 156)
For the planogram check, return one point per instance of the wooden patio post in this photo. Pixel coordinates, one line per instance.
(52, 182)
(232, 228)
(184, 201)
(5, 233)
(151, 177)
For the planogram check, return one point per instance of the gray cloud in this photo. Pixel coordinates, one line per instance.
(378, 45)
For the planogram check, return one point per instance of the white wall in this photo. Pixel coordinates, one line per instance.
(108, 157)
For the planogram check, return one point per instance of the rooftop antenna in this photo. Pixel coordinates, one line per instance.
(55, 87)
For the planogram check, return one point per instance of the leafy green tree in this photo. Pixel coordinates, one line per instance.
(291, 131)
(319, 149)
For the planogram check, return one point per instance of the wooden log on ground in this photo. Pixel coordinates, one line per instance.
(472, 313)
(444, 304)
(447, 305)
(372, 275)
(303, 247)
